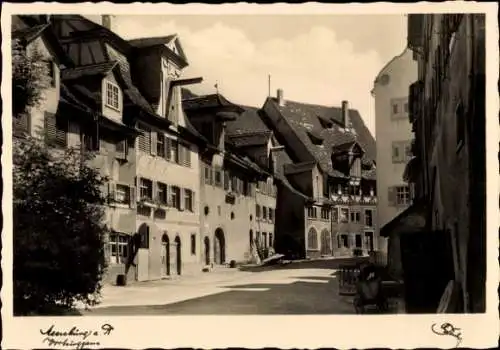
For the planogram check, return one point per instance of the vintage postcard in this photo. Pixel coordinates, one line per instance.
(244, 175)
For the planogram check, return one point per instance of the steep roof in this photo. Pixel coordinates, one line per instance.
(258, 138)
(30, 33)
(308, 120)
(88, 70)
(147, 42)
(247, 122)
(208, 101)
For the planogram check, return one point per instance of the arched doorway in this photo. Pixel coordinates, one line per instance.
(326, 246)
(178, 254)
(165, 255)
(144, 234)
(219, 247)
(142, 261)
(206, 241)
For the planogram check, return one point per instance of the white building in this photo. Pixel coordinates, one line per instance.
(393, 135)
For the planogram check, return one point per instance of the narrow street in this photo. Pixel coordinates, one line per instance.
(299, 288)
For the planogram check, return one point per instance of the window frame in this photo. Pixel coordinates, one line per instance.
(146, 185)
(110, 99)
(118, 248)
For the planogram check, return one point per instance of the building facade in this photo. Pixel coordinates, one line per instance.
(394, 137)
(447, 112)
(236, 220)
(327, 203)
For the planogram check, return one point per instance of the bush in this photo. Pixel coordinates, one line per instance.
(57, 227)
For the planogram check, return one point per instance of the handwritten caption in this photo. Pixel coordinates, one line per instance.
(448, 329)
(74, 337)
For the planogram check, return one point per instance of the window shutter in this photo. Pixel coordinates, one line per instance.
(166, 145)
(138, 187)
(392, 196)
(193, 201)
(132, 196)
(50, 127)
(153, 143)
(111, 191)
(182, 199)
(170, 191)
(154, 190)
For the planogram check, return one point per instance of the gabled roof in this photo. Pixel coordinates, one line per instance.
(88, 70)
(304, 120)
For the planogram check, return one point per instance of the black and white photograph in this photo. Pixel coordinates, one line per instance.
(338, 161)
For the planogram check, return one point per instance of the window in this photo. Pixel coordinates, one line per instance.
(175, 150)
(112, 95)
(402, 195)
(368, 217)
(325, 214)
(56, 129)
(118, 248)
(264, 213)
(121, 149)
(160, 145)
(343, 241)
(122, 194)
(270, 239)
(359, 241)
(344, 215)
(146, 188)
(401, 151)
(208, 175)
(218, 178)
(335, 215)
(257, 211)
(168, 148)
(271, 214)
(355, 216)
(311, 212)
(175, 198)
(226, 181)
(90, 142)
(312, 239)
(144, 138)
(193, 244)
(188, 200)
(162, 193)
(395, 108)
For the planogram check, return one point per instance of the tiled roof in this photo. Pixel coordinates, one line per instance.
(247, 122)
(293, 168)
(207, 101)
(187, 94)
(88, 70)
(249, 139)
(305, 119)
(148, 42)
(30, 33)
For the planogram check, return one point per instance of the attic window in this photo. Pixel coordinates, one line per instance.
(315, 138)
(112, 95)
(325, 123)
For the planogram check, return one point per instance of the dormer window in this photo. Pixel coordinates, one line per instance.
(112, 95)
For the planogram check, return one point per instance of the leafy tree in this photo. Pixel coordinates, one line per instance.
(57, 214)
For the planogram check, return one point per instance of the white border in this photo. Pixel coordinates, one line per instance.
(401, 331)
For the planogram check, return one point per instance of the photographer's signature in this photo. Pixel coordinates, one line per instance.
(448, 329)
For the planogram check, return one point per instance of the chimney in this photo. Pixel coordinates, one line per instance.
(106, 21)
(281, 100)
(345, 115)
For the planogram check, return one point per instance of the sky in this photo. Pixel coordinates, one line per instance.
(320, 59)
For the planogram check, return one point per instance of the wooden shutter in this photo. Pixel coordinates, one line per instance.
(392, 195)
(153, 143)
(111, 191)
(50, 127)
(168, 148)
(154, 190)
(132, 198)
(182, 198)
(138, 187)
(193, 201)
